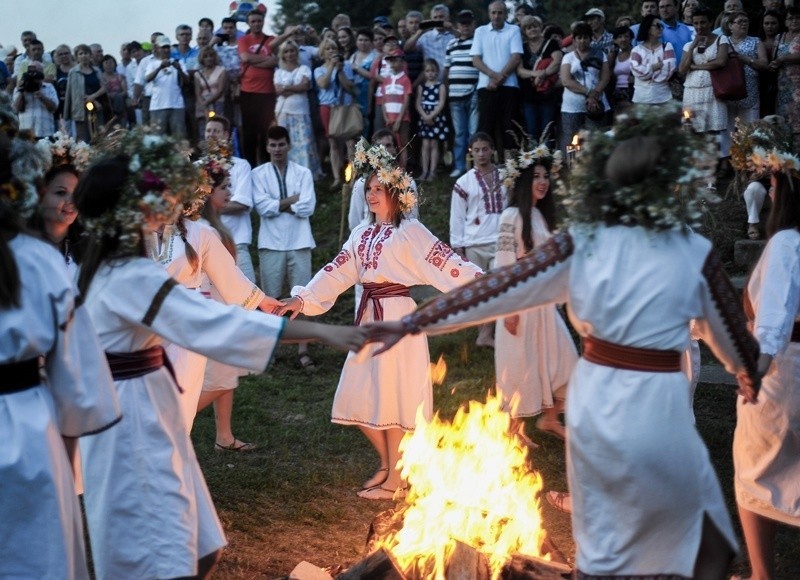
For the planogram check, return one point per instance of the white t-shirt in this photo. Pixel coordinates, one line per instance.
(166, 90)
(574, 102)
(294, 103)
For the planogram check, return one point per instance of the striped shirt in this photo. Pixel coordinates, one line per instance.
(461, 74)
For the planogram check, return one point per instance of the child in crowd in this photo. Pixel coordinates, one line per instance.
(396, 90)
(431, 97)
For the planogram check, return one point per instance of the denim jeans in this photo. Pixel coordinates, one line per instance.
(538, 115)
(464, 113)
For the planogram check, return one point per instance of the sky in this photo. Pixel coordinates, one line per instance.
(109, 22)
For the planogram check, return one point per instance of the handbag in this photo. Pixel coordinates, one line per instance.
(346, 121)
(728, 82)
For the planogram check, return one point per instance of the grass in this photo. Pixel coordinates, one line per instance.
(294, 498)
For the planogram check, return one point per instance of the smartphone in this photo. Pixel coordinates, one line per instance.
(428, 24)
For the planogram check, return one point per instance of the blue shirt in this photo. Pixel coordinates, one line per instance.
(330, 95)
(677, 36)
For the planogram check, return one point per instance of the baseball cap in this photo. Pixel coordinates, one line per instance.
(595, 12)
(163, 41)
(396, 53)
(381, 21)
(146, 45)
(465, 17)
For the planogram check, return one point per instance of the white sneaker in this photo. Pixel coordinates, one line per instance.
(455, 173)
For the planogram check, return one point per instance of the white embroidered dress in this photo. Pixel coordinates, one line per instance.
(214, 261)
(766, 443)
(384, 392)
(41, 534)
(639, 473)
(538, 360)
(149, 511)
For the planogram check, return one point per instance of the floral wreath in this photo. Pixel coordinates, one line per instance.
(214, 166)
(61, 150)
(763, 147)
(376, 159)
(157, 165)
(674, 195)
(775, 160)
(531, 153)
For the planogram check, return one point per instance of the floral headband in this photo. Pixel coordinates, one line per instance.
(215, 166)
(61, 150)
(674, 195)
(540, 154)
(775, 160)
(160, 178)
(376, 159)
(770, 133)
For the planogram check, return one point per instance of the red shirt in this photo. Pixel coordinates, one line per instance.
(256, 79)
(396, 90)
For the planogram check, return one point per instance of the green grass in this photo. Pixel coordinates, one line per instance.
(294, 498)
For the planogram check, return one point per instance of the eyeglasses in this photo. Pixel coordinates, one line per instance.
(658, 25)
(741, 21)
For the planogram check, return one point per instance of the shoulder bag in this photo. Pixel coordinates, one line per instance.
(346, 121)
(728, 81)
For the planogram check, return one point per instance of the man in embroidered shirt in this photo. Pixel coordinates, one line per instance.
(477, 201)
(496, 52)
(284, 196)
(462, 79)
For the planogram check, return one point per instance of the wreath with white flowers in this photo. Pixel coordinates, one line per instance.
(376, 159)
(214, 166)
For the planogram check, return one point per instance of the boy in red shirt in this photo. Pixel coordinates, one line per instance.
(396, 89)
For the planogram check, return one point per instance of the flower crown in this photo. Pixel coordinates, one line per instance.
(774, 160)
(158, 166)
(762, 135)
(61, 150)
(675, 193)
(377, 159)
(27, 165)
(215, 166)
(532, 155)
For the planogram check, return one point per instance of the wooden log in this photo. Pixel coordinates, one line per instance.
(379, 565)
(522, 567)
(467, 563)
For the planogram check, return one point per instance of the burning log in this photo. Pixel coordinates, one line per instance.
(467, 563)
(379, 565)
(522, 567)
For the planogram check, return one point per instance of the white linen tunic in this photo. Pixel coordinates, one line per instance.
(639, 473)
(766, 443)
(537, 361)
(216, 262)
(41, 535)
(475, 209)
(384, 392)
(149, 511)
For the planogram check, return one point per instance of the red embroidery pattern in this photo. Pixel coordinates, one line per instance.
(340, 260)
(455, 273)
(727, 302)
(555, 250)
(371, 245)
(492, 198)
(438, 255)
(458, 190)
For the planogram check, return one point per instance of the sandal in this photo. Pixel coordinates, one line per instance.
(381, 474)
(753, 232)
(238, 446)
(381, 493)
(560, 500)
(551, 427)
(306, 362)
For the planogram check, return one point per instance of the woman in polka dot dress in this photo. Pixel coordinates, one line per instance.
(432, 123)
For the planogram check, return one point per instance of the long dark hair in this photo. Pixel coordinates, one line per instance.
(522, 199)
(10, 226)
(785, 212)
(98, 191)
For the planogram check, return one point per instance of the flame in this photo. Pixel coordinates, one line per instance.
(469, 481)
(212, 114)
(687, 115)
(89, 106)
(576, 141)
(438, 371)
(348, 172)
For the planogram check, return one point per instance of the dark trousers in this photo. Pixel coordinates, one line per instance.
(258, 111)
(500, 110)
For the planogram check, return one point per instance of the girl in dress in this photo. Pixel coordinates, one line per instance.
(40, 517)
(534, 353)
(646, 501)
(149, 512)
(381, 395)
(430, 102)
(766, 442)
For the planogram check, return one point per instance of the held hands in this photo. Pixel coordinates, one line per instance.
(749, 387)
(388, 333)
(511, 324)
(291, 306)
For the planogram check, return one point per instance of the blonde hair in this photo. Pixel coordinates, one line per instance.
(284, 46)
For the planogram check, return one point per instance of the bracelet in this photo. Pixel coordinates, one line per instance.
(302, 304)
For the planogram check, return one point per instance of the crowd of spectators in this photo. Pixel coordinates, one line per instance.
(503, 73)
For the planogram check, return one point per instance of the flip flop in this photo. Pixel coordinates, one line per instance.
(237, 446)
(558, 500)
(370, 483)
(379, 493)
(306, 362)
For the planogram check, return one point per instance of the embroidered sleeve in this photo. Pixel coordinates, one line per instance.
(727, 333)
(541, 277)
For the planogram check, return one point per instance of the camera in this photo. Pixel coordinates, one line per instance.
(31, 81)
(222, 36)
(429, 24)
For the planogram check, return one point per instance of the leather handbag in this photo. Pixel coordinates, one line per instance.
(729, 82)
(346, 121)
